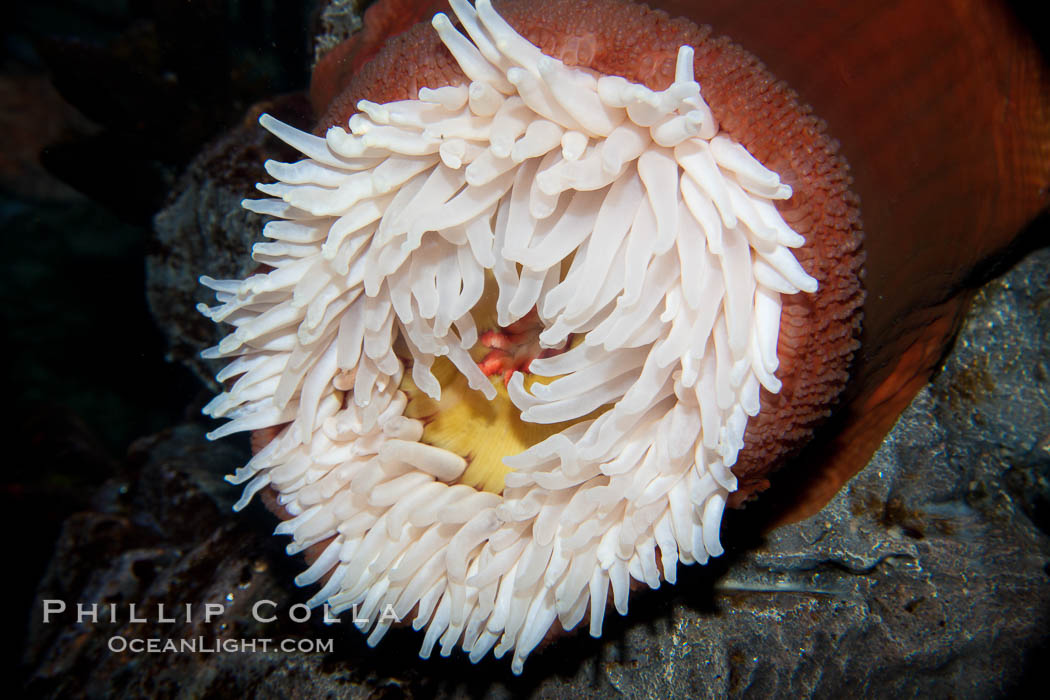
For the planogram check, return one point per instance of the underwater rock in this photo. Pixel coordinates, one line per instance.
(926, 574)
(204, 230)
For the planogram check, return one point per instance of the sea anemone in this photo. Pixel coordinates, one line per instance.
(597, 259)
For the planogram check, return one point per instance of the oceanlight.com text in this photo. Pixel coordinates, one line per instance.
(203, 645)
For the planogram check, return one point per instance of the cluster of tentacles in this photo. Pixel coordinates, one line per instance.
(639, 242)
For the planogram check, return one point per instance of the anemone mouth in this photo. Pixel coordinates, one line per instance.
(638, 262)
(463, 421)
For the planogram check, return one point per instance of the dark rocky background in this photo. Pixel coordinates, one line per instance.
(103, 104)
(127, 134)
